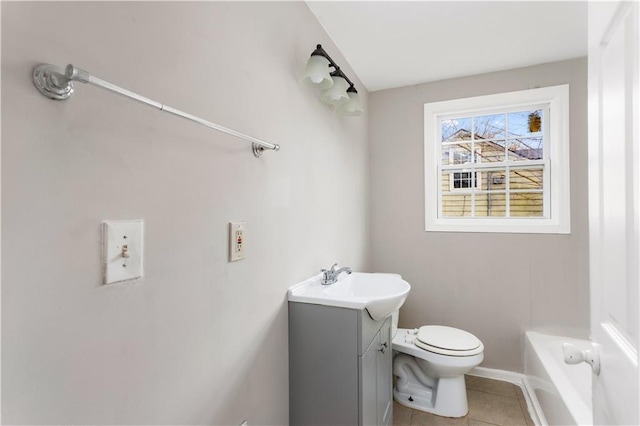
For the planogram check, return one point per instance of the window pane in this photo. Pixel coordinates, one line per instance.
(489, 126)
(456, 154)
(489, 152)
(525, 149)
(525, 123)
(456, 129)
(490, 205)
(446, 182)
(527, 204)
(525, 178)
(492, 180)
(456, 205)
(446, 152)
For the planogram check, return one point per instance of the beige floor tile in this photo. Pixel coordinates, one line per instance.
(479, 423)
(525, 411)
(420, 418)
(496, 409)
(492, 386)
(491, 403)
(401, 415)
(523, 406)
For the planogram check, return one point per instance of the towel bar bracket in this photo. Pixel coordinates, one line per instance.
(51, 81)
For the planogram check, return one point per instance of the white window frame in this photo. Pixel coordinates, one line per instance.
(556, 217)
(452, 186)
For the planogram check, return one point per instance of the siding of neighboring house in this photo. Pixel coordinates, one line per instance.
(490, 185)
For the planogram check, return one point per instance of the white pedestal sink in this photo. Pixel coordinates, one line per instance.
(379, 294)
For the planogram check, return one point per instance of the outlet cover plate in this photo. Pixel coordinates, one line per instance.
(237, 241)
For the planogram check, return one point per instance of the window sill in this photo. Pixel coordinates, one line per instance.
(507, 226)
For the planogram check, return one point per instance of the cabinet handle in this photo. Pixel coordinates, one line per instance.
(382, 347)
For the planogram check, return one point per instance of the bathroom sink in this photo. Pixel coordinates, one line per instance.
(379, 294)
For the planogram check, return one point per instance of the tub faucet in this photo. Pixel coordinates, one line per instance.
(331, 276)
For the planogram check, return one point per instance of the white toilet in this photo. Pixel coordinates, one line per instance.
(430, 363)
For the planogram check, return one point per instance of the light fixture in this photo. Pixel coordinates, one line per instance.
(337, 94)
(354, 106)
(338, 91)
(317, 72)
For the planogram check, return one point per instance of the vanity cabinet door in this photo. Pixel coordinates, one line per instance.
(339, 367)
(369, 372)
(384, 377)
(376, 380)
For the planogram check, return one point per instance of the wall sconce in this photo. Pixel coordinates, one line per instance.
(337, 89)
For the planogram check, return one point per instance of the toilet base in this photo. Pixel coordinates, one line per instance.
(430, 381)
(444, 396)
(448, 400)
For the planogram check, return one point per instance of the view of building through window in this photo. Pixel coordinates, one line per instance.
(493, 165)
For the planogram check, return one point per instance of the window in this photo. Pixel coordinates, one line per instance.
(499, 163)
(460, 180)
(464, 180)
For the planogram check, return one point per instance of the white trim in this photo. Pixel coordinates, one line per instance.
(556, 217)
(498, 165)
(623, 343)
(520, 380)
(502, 375)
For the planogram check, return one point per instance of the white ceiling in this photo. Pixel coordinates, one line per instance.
(396, 43)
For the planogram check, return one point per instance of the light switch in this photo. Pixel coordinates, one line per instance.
(237, 243)
(122, 250)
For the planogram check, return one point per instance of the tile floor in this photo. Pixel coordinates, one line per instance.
(491, 402)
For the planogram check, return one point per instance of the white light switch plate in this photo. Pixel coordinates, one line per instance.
(122, 250)
(237, 243)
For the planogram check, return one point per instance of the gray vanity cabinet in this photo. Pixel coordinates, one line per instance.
(339, 367)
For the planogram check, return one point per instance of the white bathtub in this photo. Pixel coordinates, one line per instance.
(563, 392)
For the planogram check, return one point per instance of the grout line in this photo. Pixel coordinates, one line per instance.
(515, 396)
(489, 423)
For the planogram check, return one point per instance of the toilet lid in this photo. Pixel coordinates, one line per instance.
(448, 341)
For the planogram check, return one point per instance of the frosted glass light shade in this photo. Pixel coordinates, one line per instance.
(317, 73)
(336, 95)
(353, 107)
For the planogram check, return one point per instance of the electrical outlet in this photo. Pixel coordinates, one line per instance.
(237, 240)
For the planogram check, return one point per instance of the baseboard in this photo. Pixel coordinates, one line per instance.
(517, 379)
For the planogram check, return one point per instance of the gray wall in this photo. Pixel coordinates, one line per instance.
(198, 340)
(496, 286)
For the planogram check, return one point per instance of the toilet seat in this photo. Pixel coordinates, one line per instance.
(448, 341)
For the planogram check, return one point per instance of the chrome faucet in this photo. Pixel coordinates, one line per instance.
(331, 276)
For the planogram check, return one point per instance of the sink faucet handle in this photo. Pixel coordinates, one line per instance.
(333, 268)
(325, 274)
